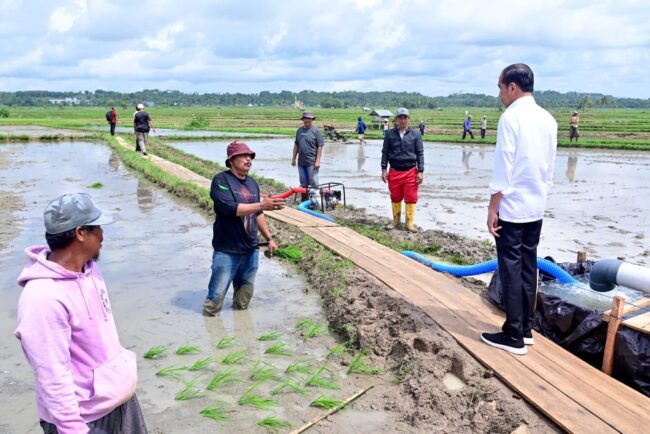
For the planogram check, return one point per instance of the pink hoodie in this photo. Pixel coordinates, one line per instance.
(68, 334)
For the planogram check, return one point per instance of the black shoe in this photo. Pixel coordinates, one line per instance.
(528, 338)
(500, 340)
(144, 153)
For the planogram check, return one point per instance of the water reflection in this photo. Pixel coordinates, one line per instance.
(361, 157)
(465, 159)
(145, 196)
(572, 162)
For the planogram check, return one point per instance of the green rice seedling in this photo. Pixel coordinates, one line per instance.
(289, 385)
(263, 371)
(249, 398)
(225, 377)
(216, 413)
(315, 330)
(190, 391)
(290, 253)
(187, 349)
(358, 367)
(155, 352)
(273, 424)
(300, 366)
(201, 364)
(304, 324)
(96, 185)
(226, 342)
(278, 349)
(326, 402)
(270, 336)
(322, 380)
(338, 351)
(235, 357)
(171, 371)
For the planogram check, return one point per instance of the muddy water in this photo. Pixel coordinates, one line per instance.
(599, 202)
(156, 261)
(36, 131)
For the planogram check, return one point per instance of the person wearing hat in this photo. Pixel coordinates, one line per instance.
(483, 126)
(467, 127)
(308, 149)
(386, 127)
(403, 150)
(142, 123)
(573, 127)
(85, 379)
(239, 212)
(361, 130)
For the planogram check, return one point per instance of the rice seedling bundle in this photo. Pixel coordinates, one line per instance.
(155, 352)
(187, 349)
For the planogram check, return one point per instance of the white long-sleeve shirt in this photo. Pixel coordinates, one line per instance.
(524, 160)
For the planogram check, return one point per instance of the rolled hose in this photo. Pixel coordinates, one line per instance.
(292, 190)
(303, 207)
(489, 266)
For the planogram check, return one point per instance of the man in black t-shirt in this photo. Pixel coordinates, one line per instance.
(141, 124)
(239, 216)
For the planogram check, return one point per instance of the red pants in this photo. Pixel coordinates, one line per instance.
(403, 186)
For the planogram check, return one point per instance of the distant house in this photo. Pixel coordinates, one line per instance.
(68, 101)
(378, 117)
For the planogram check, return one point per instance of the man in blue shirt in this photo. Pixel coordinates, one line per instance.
(467, 127)
(361, 130)
(239, 215)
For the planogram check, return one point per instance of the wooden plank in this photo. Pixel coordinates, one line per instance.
(615, 319)
(555, 404)
(640, 323)
(586, 392)
(298, 218)
(629, 308)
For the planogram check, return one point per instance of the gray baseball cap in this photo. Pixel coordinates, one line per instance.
(402, 111)
(70, 211)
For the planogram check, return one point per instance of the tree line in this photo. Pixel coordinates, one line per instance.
(345, 99)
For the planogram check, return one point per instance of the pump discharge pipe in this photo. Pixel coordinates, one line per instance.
(608, 273)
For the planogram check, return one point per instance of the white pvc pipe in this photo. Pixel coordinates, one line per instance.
(634, 276)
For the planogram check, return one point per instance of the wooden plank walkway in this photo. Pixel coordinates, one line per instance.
(576, 396)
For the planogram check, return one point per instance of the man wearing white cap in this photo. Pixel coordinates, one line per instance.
(141, 124)
(85, 379)
(403, 150)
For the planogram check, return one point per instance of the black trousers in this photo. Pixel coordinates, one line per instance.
(113, 129)
(517, 257)
(482, 133)
(471, 134)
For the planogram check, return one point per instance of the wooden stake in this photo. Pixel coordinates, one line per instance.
(313, 422)
(615, 319)
(582, 256)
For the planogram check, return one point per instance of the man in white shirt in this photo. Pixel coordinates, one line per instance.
(522, 174)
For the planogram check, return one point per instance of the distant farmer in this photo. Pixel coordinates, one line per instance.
(404, 152)
(361, 130)
(467, 127)
(239, 216)
(111, 118)
(422, 127)
(141, 124)
(573, 127)
(386, 127)
(85, 379)
(483, 126)
(308, 148)
(522, 175)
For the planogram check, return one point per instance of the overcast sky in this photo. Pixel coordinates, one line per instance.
(436, 47)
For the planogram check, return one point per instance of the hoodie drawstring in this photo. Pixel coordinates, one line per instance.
(90, 315)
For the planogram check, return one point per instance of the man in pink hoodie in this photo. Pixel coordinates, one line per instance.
(85, 380)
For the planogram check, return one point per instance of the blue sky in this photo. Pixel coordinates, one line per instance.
(433, 47)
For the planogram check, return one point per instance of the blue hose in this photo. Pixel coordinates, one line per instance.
(303, 207)
(489, 266)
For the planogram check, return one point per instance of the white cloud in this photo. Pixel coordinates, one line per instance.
(416, 45)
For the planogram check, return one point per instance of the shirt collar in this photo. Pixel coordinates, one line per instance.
(528, 99)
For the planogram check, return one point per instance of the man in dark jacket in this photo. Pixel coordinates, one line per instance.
(404, 151)
(113, 120)
(142, 123)
(239, 216)
(361, 130)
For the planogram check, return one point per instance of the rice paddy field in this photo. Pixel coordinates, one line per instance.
(599, 128)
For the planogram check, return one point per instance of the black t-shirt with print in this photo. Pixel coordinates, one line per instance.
(232, 234)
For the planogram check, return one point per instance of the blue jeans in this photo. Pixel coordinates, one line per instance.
(308, 176)
(240, 270)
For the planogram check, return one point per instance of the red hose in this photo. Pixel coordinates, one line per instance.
(292, 190)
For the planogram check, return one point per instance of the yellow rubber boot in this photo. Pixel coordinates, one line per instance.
(397, 213)
(410, 213)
